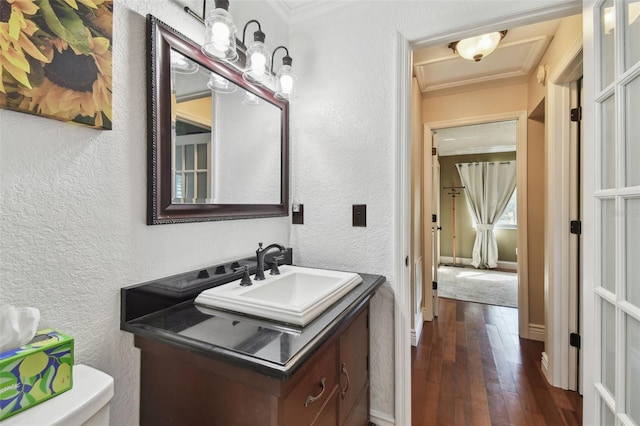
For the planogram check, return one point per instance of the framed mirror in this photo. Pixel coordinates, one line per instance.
(218, 145)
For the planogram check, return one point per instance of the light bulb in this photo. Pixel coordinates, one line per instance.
(286, 83)
(258, 62)
(220, 33)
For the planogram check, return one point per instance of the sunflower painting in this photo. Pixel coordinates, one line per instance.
(55, 59)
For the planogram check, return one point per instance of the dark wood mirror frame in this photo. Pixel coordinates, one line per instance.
(160, 210)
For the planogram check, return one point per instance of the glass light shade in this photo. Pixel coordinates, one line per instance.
(476, 48)
(220, 84)
(220, 36)
(286, 80)
(182, 65)
(250, 99)
(258, 64)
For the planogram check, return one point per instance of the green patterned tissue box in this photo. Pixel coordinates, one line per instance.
(35, 372)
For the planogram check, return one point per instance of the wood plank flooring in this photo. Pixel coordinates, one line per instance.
(471, 368)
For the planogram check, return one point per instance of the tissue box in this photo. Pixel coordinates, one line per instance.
(35, 372)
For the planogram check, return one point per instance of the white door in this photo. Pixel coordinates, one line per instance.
(612, 212)
(435, 224)
(427, 240)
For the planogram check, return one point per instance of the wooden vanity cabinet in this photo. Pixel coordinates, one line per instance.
(331, 388)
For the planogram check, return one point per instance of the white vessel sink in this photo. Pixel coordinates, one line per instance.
(296, 296)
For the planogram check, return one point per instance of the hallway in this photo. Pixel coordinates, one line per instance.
(470, 367)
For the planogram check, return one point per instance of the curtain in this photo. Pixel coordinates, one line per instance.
(488, 186)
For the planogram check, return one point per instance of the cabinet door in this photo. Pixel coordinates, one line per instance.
(329, 414)
(315, 387)
(354, 364)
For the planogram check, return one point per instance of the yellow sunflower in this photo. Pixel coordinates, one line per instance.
(15, 30)
(102, 18)
(74, 84)
(93, 4)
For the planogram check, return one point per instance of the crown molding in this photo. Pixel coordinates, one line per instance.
(307, 11)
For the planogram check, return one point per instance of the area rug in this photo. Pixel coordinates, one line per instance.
(478, 285)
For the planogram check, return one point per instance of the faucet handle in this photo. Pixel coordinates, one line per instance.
(274, 266)
(246, 279)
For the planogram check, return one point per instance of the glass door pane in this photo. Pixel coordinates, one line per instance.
(607, 43)
(608, 245)
(632, 34)
(608, 346)
(632, 375)
(608, 144)
(632, 132)
(632, 251)
(606, 415)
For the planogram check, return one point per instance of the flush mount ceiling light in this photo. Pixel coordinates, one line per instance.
(286, 78)
(476, 48)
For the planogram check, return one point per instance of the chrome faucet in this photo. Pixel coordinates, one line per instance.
(260, 253)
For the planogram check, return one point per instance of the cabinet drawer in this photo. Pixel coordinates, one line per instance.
(306, 400)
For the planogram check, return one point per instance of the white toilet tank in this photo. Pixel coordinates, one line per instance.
(86, 403)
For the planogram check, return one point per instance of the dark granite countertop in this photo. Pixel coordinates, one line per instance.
(267, 347)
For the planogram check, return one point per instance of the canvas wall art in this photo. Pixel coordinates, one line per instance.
(56, 59)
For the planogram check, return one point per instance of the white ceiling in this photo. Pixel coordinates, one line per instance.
(439, 71)
(438, 68)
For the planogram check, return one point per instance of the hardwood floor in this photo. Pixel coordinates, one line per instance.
(471, 368)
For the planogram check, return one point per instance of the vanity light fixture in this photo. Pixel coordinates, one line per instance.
(220, 84)
(286, 78)
(182, 65)
(250, 99)
(258, 59)
(220, 31)
(476, 48)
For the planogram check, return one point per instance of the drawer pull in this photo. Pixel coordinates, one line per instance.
(311, 399)
(346, 374)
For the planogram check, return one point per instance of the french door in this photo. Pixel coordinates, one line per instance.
(612, 204)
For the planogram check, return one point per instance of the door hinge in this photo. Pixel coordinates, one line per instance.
(434, 218)
(576, 227)
(574, 340)
(576, 114)
(434, 285)
(434, 151)
(367, 362)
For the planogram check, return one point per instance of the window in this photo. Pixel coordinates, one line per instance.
(509, 217)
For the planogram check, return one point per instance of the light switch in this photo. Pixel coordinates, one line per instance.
(359, 215)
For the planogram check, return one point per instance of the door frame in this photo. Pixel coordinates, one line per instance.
(402, 169)
(558, 300)
(521, 164)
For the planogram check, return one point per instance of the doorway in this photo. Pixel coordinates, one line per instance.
(516, 149)
(485, 155)
(402, 224)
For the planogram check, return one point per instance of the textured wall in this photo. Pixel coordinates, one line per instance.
(343, 142)
(73, 205)
(73, 199)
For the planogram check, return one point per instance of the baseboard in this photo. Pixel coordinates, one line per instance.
(465, 261)
(381, 419)
(545, 366)
(416, 332)
(537, 332)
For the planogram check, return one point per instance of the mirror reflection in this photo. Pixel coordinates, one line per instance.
(226, 141)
